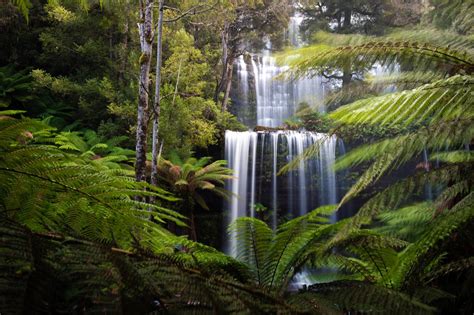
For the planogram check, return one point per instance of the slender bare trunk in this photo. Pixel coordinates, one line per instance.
(228, 78)
(156, 102)
(346, 75)
(222, 84)
(124, 50)
(145, 29)
(347, 19)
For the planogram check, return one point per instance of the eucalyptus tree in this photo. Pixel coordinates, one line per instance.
(193, 10)
(146, 33)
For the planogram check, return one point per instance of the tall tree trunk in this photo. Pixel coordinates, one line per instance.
(124, 50)
(156, 102)
(347, 19)
(346, 74)
(222, 83)
(145, 30)
(228, 80)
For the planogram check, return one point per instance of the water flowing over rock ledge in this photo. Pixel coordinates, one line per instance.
(257, 191)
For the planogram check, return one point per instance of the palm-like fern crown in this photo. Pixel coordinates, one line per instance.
(193, 176)
(100, 153)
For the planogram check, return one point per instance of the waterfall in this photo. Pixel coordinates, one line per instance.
(272, 95)
(278, 99)
(256, 158)
(274, 137)
(237, 149)
(242, 77)
(275, 99)
(293, 33)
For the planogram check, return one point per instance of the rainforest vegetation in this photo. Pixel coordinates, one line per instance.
(121, 184)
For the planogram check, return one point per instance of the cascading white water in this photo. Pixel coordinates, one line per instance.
(278, 99)
(243, 77)
(272, 95)
(293, 33)
(256, 158)
(237, 149)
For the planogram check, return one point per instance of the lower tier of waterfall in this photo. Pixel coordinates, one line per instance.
(257, 191)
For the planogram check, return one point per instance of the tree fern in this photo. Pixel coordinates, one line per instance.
(434, 114)
(356, 296)
(274, 259)
(51, 273)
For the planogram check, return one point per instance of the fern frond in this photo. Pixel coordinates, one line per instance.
(362, 297)
(313, 60)
(24, 7)
(253, 238)
(416, 256)
(407, 223)
(392, 153)
(445, 99)
(452, 267)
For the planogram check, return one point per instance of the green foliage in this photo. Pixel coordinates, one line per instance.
(75, 237)
(432, 103)
(355, 296)
(60, 273)
(15, 87)
(407, 223)
(274, 258)
(23, 6)
(455, 15)
(97, 204)
(190, 178)
(393, 241)
(101, 154)
(319, 58)
(309, 119)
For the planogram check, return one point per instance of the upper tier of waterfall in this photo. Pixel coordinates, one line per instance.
(262, 97)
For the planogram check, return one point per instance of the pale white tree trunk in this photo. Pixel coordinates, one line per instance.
(145, 30)
(156, 103)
